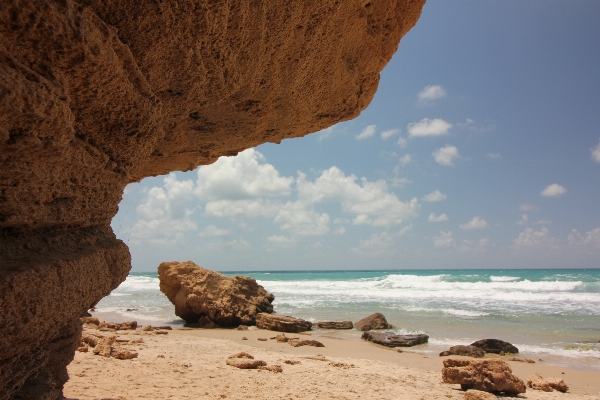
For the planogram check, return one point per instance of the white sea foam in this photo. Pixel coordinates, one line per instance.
(504, 278)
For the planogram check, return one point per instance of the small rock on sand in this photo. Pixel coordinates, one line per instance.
(546, 385)
(262, 339)
(473, 394)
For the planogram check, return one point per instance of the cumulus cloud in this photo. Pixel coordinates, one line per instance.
(431, 93)
(553, 190)
(370, 202)
(402, 142)
(281, 241)
(389, 133)
(298, 218)
(446, 155)
(405, 160)
(591, 238)
(473, 246)
(524, 219)
(227, 245)
(596, 153)
(475, 223)
(444, 240)
(212, 230)
(428, 127)
(437, 218)
(532, 238)
(366, 133)
(525, 207)
(436, 195)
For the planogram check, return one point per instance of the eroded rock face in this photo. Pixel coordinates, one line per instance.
(373, 321)
(197, 292)
(390, 339)
(282, 323)
(96, 94)
(493, 375)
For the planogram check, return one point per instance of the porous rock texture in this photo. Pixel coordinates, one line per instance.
(96, 94)
(493, 375)
(197, 292)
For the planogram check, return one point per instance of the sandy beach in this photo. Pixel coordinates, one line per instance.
(191, 364)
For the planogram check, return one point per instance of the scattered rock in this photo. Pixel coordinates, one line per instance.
(89, 339)
(473, 394)
(493, 375)
(341, 365)
(83, 348)
(198, 292)
(130, 325)
(147, 328)
(242, 328)
(262, 339)
(244, 360)
(390, 339)
(282, 323)
(90, 320)
(161, 332)
(103, 346)
(292, 362)
(281, 338)
(547, 385)
(374, 321)
(467, 351)
(334, 325)
(132, 309)
(123, 354)
(244, 338)
(273, 368)
(306, 342)
(525, 360)
(164, 327)
(495, 346)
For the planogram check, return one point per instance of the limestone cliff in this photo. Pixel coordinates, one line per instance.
(99, 93)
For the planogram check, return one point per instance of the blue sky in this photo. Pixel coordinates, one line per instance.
(481, 149)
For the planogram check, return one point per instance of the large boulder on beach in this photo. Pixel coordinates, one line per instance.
(495, 346)
(200, 293)
(282, 323)
(493, 375)
(334, 325)
(390, 339)
(467, 351)
(373, 321)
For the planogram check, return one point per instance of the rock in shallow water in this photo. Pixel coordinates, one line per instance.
(390, 339)
(495, 346)
(374, 321)
(467, 351)
(200, 293)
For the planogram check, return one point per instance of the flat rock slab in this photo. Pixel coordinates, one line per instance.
(282, 323)
(467, 351)
(335, 325)
(390, 339)
(495, 346)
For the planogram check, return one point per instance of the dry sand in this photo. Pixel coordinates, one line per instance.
(190, 364)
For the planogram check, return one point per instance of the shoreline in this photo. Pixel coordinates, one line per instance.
(193, 366)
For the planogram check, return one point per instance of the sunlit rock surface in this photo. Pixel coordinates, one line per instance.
(96, 94)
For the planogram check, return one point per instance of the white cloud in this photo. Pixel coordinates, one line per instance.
(402, 142)
(227, 245)
(445, 240)
(475, 223)
(241, 177)
(400, 182)
(591, 238)
(325, 133)
(525, 207)
(389, 133)
(431, 92)
(371, 202)
(428, 127)
(532, 238)
(379, 243)
(281, 241)
(212, 230)
(367, 133)
(596, 153)
(405, 160)
(299, 219)
(524, 219)
(436, 195)
(494, 156)
(446, 155)
(437, 218)
(553, 190)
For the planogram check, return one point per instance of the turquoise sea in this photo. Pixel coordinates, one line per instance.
(553, 315)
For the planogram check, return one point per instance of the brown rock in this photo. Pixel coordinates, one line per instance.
(493, 375)
(496, 346)
(273, 368)
(99, 95)
(245, 363)
(298, 343)
(334, 325)
(103, 346)
(262, 339)
(241, 354)
(390, 339)
(292, 362)
(525, 360)
(341, 365)
(90, 320)
(123, 354)
(197, 292)
(374, 321)
(244, 338)
(83, 348)
(242, 328)
(130, 325)
(282, 323)
(467, 351)
(546, 385)
(281, 338)
(473, 394)
(90, 339)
